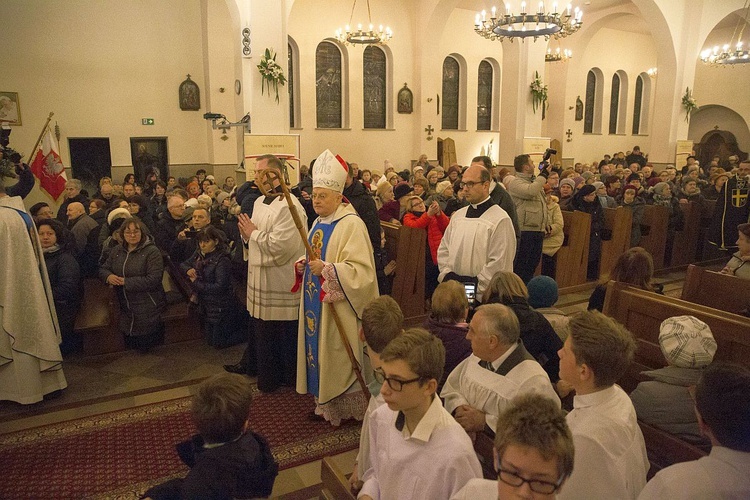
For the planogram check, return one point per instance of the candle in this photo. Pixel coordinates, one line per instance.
(554, 8)
(523, 7)
(541, 7)
(493, 12)
(507, 9)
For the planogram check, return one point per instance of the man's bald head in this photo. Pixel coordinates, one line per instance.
(75, 210)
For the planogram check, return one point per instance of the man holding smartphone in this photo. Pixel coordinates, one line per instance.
(527, 192)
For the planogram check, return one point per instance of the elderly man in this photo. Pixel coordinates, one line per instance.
(86, 232)
(106, 193)
(499, 369)
(480, 239)
(273, 244)
(732, 209)
(72, 194)
(170, 229)
(527, 192)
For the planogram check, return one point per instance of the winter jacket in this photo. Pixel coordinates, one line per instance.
(67, 287)
(531, 206)
(556, 236)
(453, 336)
(214, 284)
(636, 208)
(364, 204)
(435, 226)
(500, 196)
(142, 298)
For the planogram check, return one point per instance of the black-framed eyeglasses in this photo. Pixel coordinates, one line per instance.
(394, 383)
(470, 184)
(537, 486)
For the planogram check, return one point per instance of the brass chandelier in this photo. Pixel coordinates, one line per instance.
(555, 23)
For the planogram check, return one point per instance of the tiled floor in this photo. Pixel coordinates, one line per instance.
(110, 382)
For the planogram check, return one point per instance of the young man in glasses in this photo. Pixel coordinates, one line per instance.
(417, 449)
(533, 453)
(611, 459)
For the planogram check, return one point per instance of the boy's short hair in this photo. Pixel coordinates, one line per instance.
(382, 321)
(421, 350)
(449, 302)
(221, 406)
(722, 397)
(603, 344)
(537, 422)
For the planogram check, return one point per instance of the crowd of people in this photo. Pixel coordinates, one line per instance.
(494, 356)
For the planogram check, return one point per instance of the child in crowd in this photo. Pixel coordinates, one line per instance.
(209, 270)
(417, 449)
(533, 446)
(382, 321)
(226, 460)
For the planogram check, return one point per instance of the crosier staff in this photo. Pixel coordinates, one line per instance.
(267, 178)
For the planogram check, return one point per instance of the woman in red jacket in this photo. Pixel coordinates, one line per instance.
(435, 221)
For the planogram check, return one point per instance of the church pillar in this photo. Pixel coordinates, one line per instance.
(517, 117)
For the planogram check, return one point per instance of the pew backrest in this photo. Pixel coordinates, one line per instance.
(654, 232)
(335, 483)
(685, 244)
(573, 256)
(716, 290)
(619, 221)
(406, 245)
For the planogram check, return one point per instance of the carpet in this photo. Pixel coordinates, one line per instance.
(122, 453)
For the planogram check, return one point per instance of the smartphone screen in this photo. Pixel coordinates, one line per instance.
(471, 291)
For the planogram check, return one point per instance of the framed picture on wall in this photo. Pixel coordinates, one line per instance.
(10, 109)
(149, 154)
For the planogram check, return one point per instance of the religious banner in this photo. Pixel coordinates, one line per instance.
(48, 167)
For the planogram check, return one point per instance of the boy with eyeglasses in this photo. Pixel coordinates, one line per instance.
(533, 453)
(417, 449)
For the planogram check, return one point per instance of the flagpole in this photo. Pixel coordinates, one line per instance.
(38, 141)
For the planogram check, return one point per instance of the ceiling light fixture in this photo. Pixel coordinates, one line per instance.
(361, 36)
(540, 24)
(728, 55)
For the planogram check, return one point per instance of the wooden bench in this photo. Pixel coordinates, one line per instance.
(716, 290)
(335, 483)
(654, 232)
(685, 245)
(573, 257)
(619, 221)
(406, 245)
(665, 449)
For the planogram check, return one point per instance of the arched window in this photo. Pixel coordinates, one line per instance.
(588, 122)
(637, 105)
(328, 86)
(292, 75)
(451, 89)
(614, 103)
(484, 96)
(374, 87)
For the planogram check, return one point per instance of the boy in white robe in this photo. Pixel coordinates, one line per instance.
(417, 450)
(611, 459)
(499, 369)
(533, 453)
(382, 321)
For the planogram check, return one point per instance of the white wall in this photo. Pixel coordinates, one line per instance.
(101, 67)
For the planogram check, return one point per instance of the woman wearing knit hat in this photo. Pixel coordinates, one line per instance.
(637, 206)
(567, 188)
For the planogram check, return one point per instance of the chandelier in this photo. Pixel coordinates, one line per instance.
(361, 36)
(728, 55)
(526, 24)
(558, 55)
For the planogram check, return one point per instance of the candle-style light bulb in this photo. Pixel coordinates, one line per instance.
(477, 21)
(554, 8)
(484, 15)
(494, 10)
(523, 7)
(348, 29)
(569, 7)
(507, 9)
(541, 7)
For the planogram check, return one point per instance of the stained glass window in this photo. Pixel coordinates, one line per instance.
(637, 105)
(374, 87)
(484, 96)
(451, 79)
(290, 86)
(614, 104)
(328, 85)
(588, 121)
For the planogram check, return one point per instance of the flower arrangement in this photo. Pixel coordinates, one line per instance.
(689, 103)
(271, 73)
(538, 94)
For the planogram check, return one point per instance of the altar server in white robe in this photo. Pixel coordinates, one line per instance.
(498, 370)
(273, 246)
(611, 459)
(417, 450)
(30, 359)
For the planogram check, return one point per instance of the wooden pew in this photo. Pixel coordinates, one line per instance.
(712, 289)
(573, 256)
(335, 482)
(665, 449)
(620, 223)
(706, 250)
(643, 312)
(685, 244)
(654, 232)
(406, 245)
(97, 319)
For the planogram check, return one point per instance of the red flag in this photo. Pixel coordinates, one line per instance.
(48, 167)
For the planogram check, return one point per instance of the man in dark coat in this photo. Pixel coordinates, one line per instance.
(364, 204)
(72, 194)
(169, 228)
(732, 209)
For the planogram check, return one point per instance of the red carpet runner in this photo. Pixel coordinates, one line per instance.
(120, 454)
